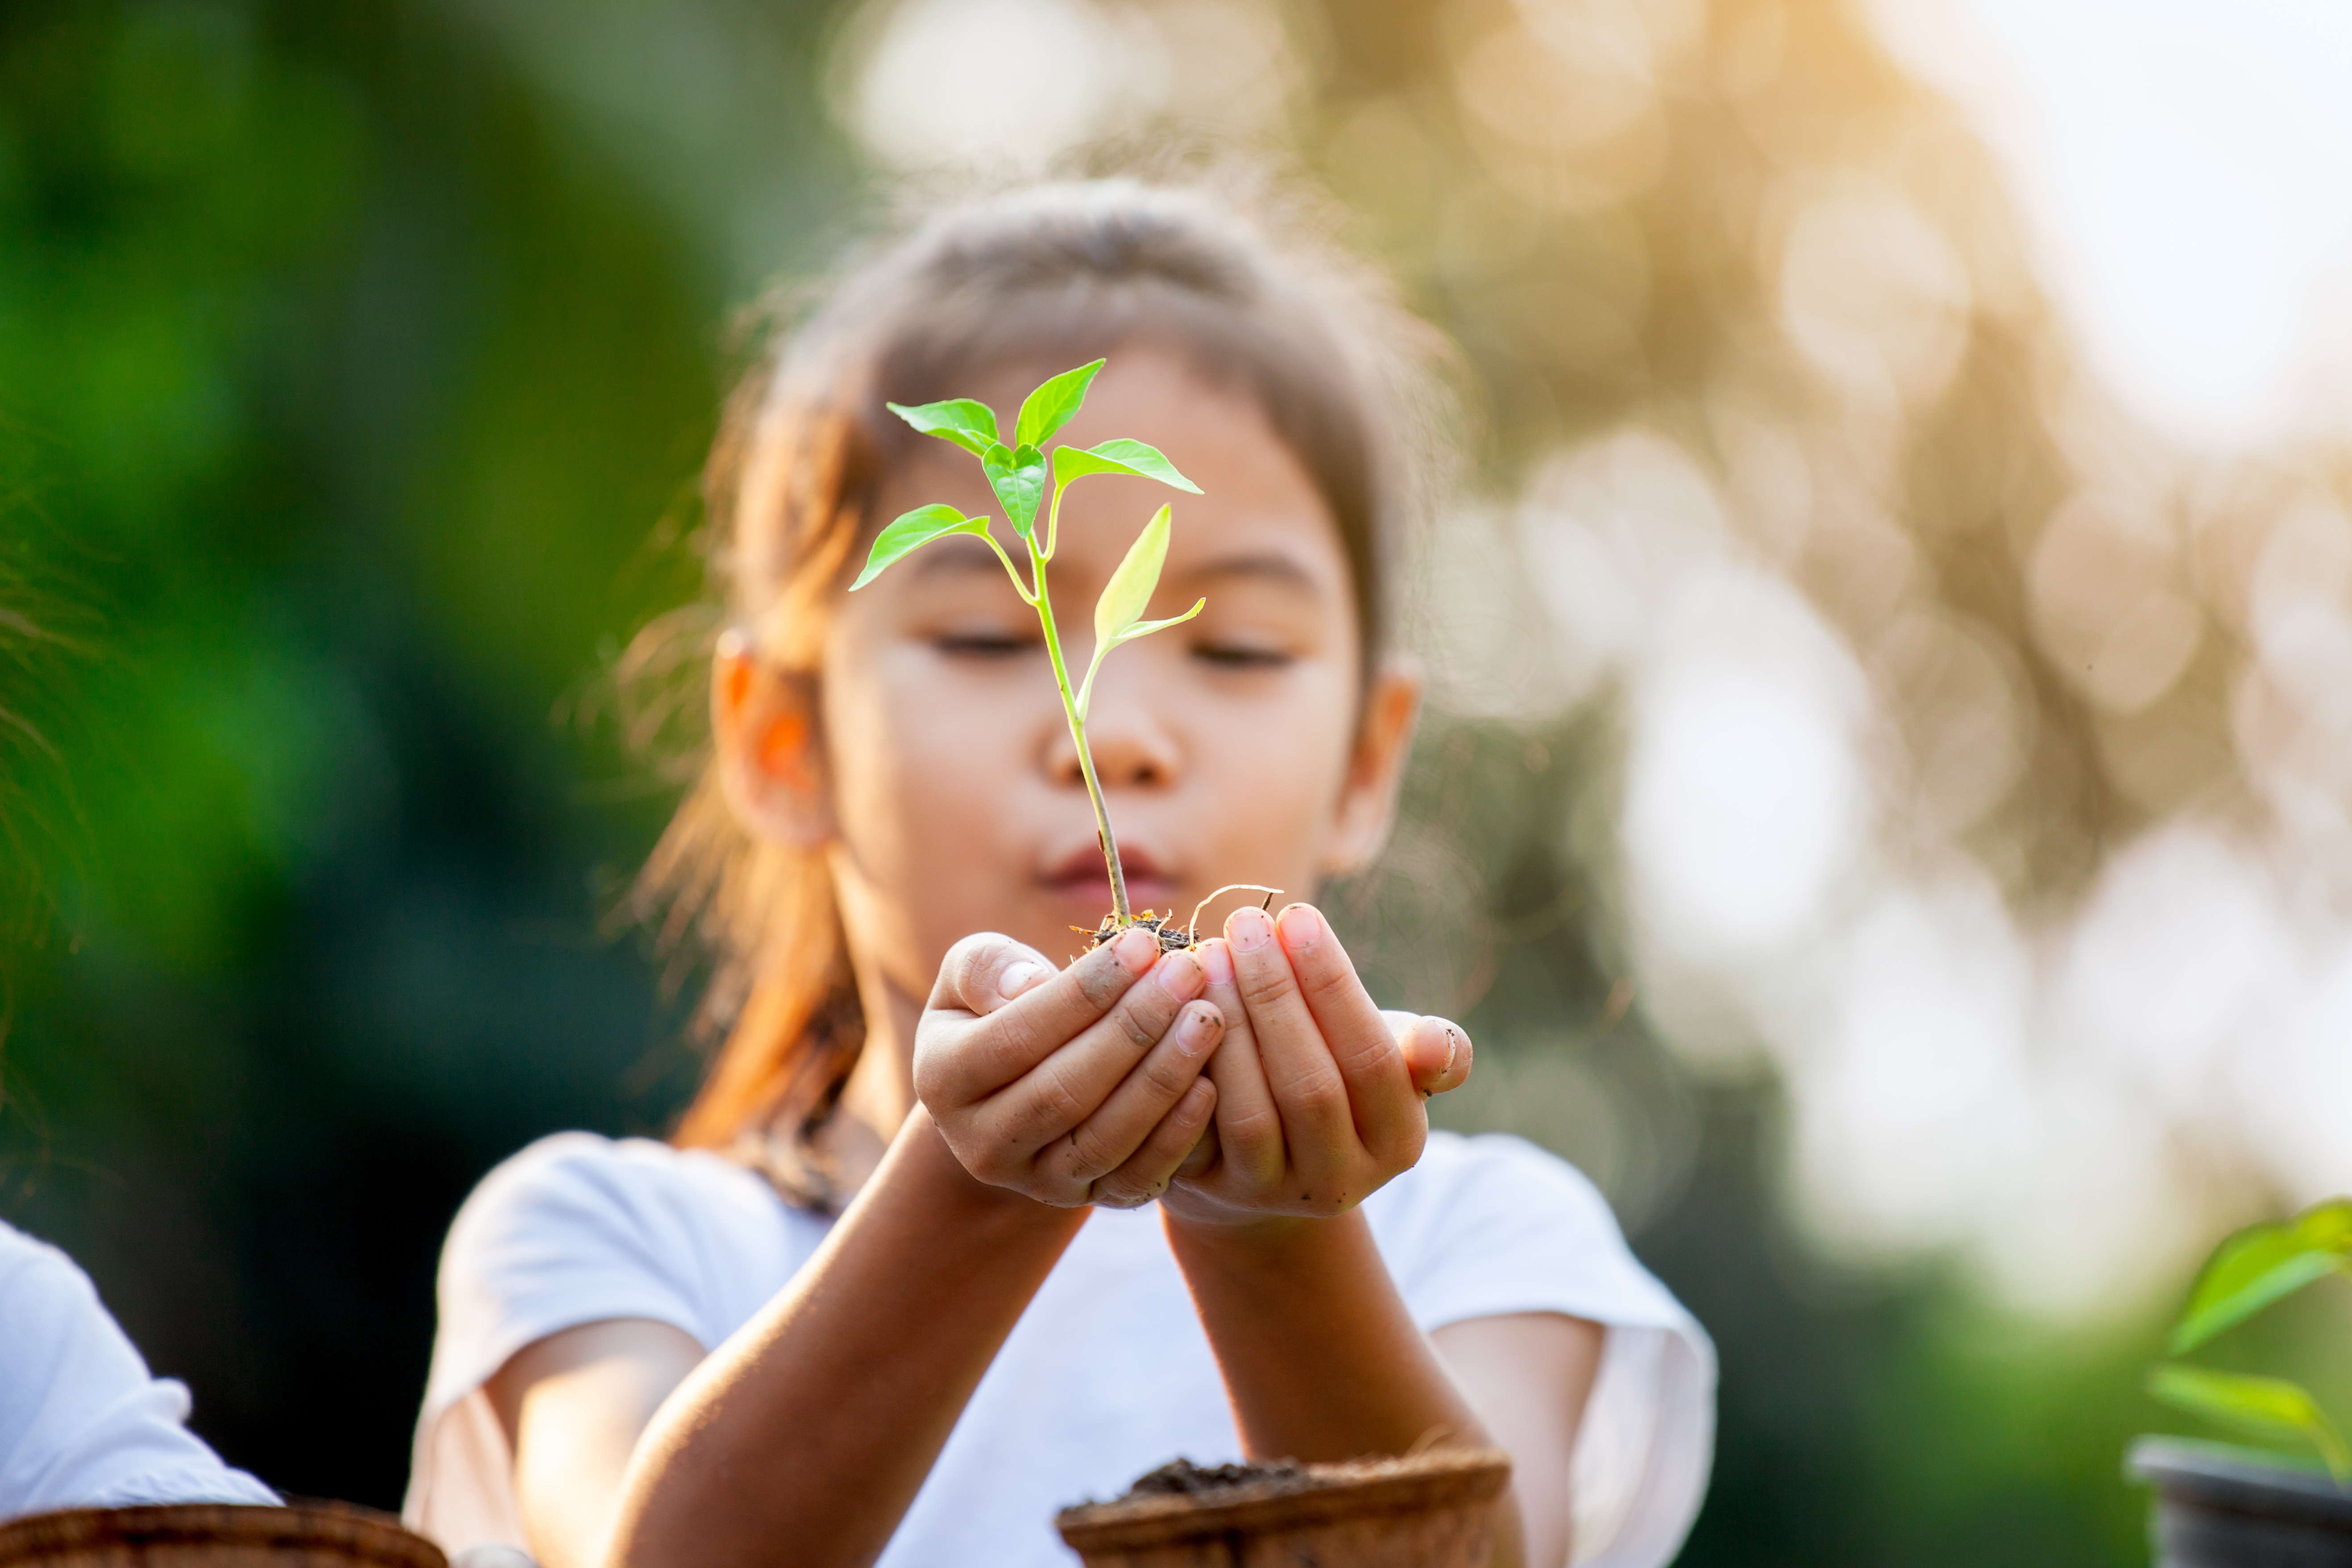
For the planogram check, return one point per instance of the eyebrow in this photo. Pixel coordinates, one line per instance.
(1266, 566)
(954, 557)
(958, 557)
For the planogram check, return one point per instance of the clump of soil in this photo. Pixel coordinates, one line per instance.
(1173, 937)
(1182, 1477)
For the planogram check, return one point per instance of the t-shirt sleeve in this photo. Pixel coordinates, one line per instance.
(575, 1229)
(82, 1423)
(570, 1231)
(1492, 1226)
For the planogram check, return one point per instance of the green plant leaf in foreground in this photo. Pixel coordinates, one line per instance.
(968, 422)
(1129, 593)
(910, 531)
(2263, 1406)
(1018, 478)
(1122, 457)
(2261, 1265)
(1051, 406)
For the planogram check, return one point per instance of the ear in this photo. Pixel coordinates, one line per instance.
(1368, 796)
(764, 725)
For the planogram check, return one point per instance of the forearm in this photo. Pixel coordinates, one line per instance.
(1322, 1360)
(813, 1426)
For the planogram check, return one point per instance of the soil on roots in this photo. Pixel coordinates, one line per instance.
(1173, 937)
(1182, 1477)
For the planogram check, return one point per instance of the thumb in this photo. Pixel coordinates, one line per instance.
(985, 972)
(1436, 1051)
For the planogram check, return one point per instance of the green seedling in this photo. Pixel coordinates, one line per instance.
(1027, 478)
(2252, 1269)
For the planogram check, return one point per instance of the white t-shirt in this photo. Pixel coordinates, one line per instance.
(1107, 1375)
(82, 1425)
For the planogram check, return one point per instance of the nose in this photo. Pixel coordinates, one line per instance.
(1131, 749)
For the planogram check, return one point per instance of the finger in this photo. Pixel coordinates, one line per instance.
(1385, 1105)
(1436, 1052)
(1148, 1172)
(1305, 1082)
(1205, 1153)
(1104, 1141)
(1014, 1020)
(1248, 1125)
(1070, 1084)
(984, 970)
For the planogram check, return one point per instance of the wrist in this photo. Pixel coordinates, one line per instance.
(921, 1168)
(1259, 1240)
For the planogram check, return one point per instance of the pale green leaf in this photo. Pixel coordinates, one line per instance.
(1129, 593)
(2263, 1406)
(965, 421)
(1051, 406)
(1018, 478)
(910, 531)
(1122, 457)
(2261, 1265)
(1145, 628)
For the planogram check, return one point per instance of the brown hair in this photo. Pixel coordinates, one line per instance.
(1039, 278)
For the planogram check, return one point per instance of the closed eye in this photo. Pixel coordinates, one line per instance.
(1241, 656)
(985, 645)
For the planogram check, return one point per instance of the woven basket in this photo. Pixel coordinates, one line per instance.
(1432, 1511)
(214, 1535)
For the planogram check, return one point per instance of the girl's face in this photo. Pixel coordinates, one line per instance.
(1240, 747)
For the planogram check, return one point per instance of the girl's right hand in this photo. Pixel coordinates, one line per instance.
(1077, 1086)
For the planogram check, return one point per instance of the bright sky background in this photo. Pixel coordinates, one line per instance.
(2186, 170)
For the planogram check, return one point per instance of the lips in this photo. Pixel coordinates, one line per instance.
(1080, 875)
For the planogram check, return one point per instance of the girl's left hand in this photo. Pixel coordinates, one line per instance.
(1319, 1097)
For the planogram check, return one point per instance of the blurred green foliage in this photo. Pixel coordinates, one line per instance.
(350, 359)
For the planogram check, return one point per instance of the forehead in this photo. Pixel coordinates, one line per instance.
(1257, 498)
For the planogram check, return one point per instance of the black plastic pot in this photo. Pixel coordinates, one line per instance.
(2224, 1508)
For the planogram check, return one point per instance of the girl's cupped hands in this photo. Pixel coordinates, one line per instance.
(1250, 1078)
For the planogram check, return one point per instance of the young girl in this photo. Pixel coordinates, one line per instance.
(955, 1237)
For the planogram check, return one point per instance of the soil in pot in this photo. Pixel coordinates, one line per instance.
(1428, 1510)
(216, 1535)
(2218, 1507)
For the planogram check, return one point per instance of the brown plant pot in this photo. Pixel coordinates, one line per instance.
(214, 1535)
(1431, 1510)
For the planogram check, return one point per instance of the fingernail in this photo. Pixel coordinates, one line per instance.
(1249, 930)
(1019, 977)
(1198, 1030)
(1135, 949)
(1180, 977)
(1302, 928)
(1453, 1043)
(1217, 962)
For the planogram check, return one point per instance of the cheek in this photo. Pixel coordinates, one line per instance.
(1279, 767)
(914, 763)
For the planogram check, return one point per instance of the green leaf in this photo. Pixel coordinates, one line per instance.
(1129, 593)
(967, 422)
(1118, 458)
(1145, 628)
(910, 531)
(2262, 1264)
(2264, 1406)
(1049, 407)
(1018, 478)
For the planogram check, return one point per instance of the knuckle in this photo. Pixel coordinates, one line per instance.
(1317, 1086)
(1054, 1106)
(1089, 1156)
(1168, 1076)
(970, 958)
(1262, 985)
